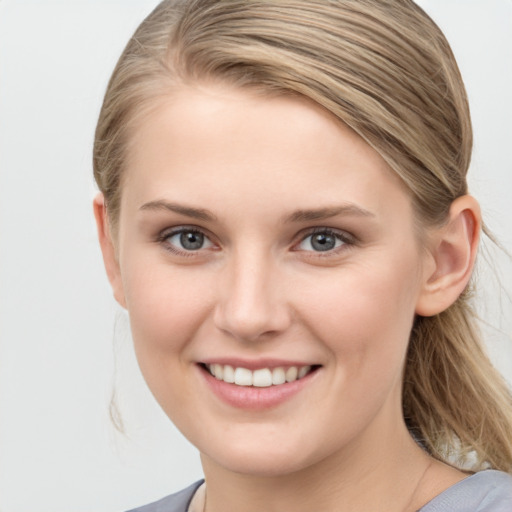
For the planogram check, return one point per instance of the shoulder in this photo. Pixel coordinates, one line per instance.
(486, 491)
(177, 502)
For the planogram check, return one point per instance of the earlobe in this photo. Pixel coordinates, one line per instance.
(453, 250)
(108, 249)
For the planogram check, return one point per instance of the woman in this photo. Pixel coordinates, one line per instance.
(284, 214)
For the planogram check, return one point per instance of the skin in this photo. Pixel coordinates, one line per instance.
(258, 289)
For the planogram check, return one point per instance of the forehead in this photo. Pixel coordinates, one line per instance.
(207, 142)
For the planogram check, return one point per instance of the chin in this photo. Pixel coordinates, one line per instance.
(263, 459)
(264, 467)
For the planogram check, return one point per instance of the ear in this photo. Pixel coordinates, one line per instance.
(108, 249)
(453, 249)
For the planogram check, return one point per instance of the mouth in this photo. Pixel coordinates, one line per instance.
(257, 386)
(261, 377)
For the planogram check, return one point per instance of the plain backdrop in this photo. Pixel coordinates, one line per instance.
(59, 325)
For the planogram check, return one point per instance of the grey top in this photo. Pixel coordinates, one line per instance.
(178, 502)
(486, 491)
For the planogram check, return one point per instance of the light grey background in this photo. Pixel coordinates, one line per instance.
(59, 326)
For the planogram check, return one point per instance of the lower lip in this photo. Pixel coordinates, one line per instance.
(254, 398)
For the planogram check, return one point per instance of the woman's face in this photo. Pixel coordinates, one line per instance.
(261, 240)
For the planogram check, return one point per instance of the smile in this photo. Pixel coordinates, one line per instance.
(260, 378)
(257, 386)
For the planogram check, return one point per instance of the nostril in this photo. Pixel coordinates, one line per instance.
(250, 320)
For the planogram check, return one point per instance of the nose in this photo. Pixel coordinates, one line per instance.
(252, 304)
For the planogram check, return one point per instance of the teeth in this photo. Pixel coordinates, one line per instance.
(243, 377)
(229, 374)
(278, 376)
(304, 371)
(261, 378)
(218, 371)
(291, 374)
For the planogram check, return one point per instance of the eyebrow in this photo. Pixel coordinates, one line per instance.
(327, 213)
(297, 216)
(187, 211)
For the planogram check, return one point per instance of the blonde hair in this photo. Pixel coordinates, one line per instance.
(385, 69)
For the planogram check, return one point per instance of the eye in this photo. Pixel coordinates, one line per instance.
(186, 240)
(323, 240)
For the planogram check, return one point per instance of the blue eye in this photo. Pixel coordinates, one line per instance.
(321, 241)
(188, 240)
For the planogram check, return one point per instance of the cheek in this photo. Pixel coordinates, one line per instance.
(166, 306)
(365, 314)
(166, 309)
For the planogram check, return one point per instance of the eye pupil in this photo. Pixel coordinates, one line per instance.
(323, 242)
(192, 241)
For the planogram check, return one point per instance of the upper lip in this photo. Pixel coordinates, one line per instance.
(256, 364)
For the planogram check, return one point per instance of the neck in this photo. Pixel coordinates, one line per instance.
(377, 472)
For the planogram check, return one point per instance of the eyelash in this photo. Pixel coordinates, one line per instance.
(345, 238)
(164, 237)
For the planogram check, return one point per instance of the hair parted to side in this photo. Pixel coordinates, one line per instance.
(384, 68)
